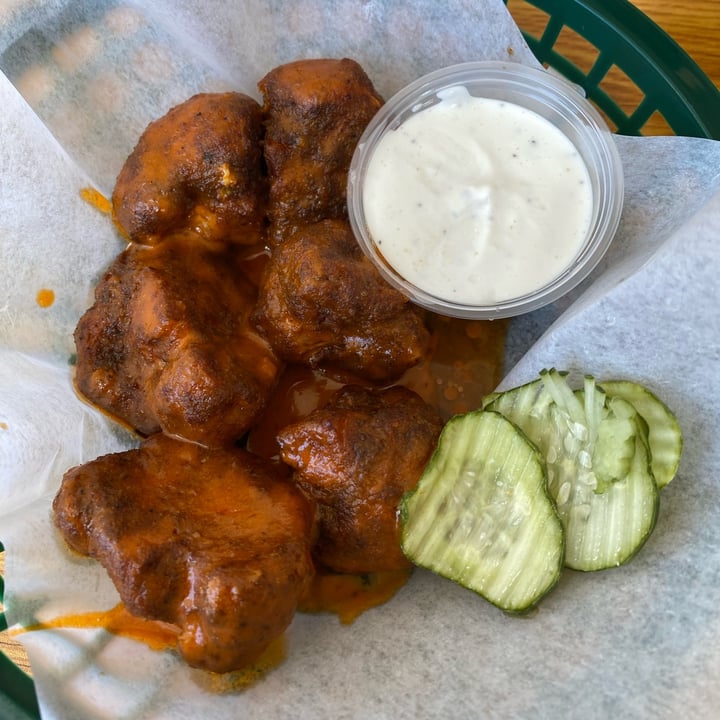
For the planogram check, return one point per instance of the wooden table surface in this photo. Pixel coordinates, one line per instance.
(694, 25)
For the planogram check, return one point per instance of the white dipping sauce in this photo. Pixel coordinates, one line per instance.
(477, 200)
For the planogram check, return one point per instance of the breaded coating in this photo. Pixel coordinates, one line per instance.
(199, 167)
(216, 542)
(322, 302)
(356, 457)
(315, 112)
(168, 346)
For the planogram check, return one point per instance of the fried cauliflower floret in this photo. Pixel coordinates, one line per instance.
(356, 457)
(168, 346)
(322, 302)
(216, 542)
(199, 168)
(315, 112)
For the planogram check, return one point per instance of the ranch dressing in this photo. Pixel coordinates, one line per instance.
(477, 200)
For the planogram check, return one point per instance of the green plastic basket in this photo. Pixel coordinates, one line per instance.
(669, 81)
(17, 693)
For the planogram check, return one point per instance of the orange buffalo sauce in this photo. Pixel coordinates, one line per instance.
(159, 635)
(155, 634)
(300, 390)
(95, 198)
(348, 596)
(45, 297)
(464, 363)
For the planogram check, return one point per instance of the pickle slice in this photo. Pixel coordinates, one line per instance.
(598, 465)
(664, 434)
(481, 514)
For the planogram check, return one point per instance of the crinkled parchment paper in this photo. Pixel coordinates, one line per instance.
(634, 642)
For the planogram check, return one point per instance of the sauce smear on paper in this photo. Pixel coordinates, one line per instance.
(348, 596)
(221, 683)
(155, 634)
(159, 635)
(95, 198)
(45, 297)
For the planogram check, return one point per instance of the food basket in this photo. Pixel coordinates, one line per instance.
(17, 694)
(668, 83)
(624, 43)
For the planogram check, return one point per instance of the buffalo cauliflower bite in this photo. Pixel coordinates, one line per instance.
(199, 168)
(216, 542)
(167, 345)
(315, 112)
(356, 457)
(323, 303)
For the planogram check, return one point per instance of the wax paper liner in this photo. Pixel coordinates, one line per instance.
(630, 642)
